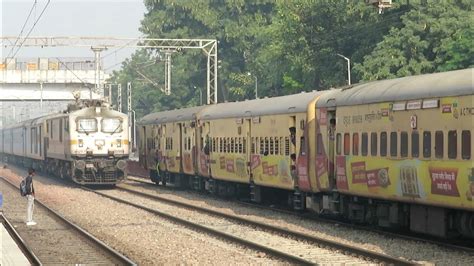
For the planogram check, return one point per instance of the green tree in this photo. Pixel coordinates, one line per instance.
(434, 37)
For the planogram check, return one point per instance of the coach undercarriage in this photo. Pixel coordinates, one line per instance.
(429, 220)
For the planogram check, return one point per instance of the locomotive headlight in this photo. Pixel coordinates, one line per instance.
(121, 164)
(80, 143)
(119, 143)
(80, 165)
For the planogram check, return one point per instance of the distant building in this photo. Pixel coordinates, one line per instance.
(33, 87)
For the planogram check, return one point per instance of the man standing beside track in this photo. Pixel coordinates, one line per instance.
(30, 195)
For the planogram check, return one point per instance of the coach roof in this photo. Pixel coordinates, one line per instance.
(452, 83)
(267, 106)
(184, 114)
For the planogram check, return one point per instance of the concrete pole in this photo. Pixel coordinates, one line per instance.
(41, 100)
(97, 51)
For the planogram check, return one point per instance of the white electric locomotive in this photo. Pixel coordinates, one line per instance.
(88, 143)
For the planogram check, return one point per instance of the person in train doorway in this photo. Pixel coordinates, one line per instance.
(30, 196)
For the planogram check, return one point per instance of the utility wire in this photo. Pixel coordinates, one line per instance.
(32, 27)
(67, 68)
(121, 47)
(22, 28)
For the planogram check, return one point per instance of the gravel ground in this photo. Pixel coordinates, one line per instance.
(406, 249)
(143, 237)
(302, 249)
(51, 240)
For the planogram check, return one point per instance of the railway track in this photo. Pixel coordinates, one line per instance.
(29, 254)
(279, 242)
(57, 241)
(466, 246)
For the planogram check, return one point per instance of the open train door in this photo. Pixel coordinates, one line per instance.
(331, 128)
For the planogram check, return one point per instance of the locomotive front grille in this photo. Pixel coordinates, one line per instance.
(99, 172)
(104, 177)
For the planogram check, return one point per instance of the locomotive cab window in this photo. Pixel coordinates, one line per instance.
(86, 125)
(466, 144)
(111, 125)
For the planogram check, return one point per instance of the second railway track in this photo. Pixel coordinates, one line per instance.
(453, 245)
(282, 243)
(57, 241)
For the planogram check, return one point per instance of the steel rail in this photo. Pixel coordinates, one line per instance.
(229, 237)
(283, 231)
(310, 217)
(112, 252)
(29, 254)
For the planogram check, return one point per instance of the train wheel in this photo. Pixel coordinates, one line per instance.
(464, 227)
(470, 225)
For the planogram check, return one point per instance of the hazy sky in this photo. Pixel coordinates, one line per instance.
(114, 18)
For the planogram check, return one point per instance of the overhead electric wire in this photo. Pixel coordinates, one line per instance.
(23, 28)
(67, 68)
(31, 29)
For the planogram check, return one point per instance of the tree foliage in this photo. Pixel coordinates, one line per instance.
(434, 37)
(292, 46)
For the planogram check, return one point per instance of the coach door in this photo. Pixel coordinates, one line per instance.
(331, 128)
(248, 144)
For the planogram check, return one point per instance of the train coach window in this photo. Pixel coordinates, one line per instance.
(393, 144)
(267, 147)
(415, 144)
(302, 146)
(404, 144)
(466, 144)
(452, 144)
(338, 144)
(60, 130)
(221, 145)
(365, 143)
(287, 146)
(383, 144)
(347, 143)
(439, 144)
(373, 144)
(427, 144)
(319, 148)
(272, 146)
(277, 146)
(355, 144)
